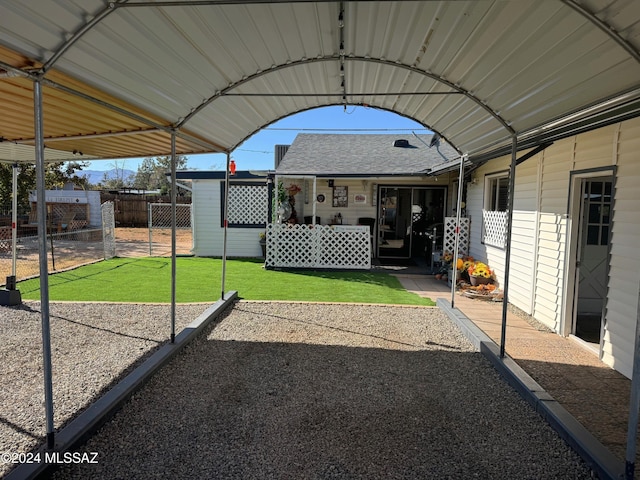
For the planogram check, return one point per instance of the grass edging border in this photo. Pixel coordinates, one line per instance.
(596, 455)
(99, 412)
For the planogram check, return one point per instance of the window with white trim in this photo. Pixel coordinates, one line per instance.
(496, 192)
(494, 214)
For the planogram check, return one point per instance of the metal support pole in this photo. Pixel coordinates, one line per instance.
(634, 405)
(457, 242)
(315, 181)
(14, 220)
(507, 247)
(433, 249)
(150, 226)
(226, 225)
(44, 274)
(173, 237)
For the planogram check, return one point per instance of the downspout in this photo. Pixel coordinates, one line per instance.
(44, 273)
(173, 237)
(507, 252)
(225, 225)
(457, 239)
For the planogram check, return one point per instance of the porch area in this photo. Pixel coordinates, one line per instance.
(591, 392)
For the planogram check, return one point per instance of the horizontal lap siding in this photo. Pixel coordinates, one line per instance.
(206, 217)
(523, 236)
(624, 275)
(554, 184)
(523, 231)
(614, 145)
(522, 259)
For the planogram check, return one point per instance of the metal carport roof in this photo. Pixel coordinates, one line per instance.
(143, 78)
(118, 77)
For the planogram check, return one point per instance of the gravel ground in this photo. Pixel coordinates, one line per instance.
(309, 391)
(93, 345)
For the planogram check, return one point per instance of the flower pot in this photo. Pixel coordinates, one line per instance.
(263, 245)
(479, 280)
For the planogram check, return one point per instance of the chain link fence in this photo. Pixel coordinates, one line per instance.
(160, 229)
(70, 249)
(64, 250)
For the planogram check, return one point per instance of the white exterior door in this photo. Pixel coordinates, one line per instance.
(592, 260)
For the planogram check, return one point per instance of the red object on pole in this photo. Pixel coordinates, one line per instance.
(232, 167)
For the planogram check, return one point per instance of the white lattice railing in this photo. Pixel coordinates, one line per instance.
(318, 246)
(450, 235)
(248, 204)
(494, 227)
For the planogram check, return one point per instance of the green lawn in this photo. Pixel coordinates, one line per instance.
(199, 279)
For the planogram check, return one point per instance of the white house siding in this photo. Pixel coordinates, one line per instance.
(208, 233)
(523, 236)
(542, 191)
(624, 274)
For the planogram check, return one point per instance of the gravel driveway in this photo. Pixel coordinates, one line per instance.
(92, 346)
(308, 391)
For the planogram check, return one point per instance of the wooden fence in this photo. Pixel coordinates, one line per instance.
(133, 210)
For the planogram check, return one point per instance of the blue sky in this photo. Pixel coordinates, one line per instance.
(256, 153)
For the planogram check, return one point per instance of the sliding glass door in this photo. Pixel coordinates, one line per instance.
(406, 219)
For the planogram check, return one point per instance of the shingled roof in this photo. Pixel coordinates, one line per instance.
(361, 155)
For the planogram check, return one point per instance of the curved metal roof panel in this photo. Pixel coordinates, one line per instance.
(476, 72)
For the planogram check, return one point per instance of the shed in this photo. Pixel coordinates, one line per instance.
(248, 212)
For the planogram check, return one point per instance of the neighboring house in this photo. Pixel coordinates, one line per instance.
(575, 261)
(82, 206)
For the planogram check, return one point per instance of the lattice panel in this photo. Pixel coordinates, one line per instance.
(308, 246)
(58, 211)
(108, 230)
(450, 235)
(494, 228)
(248, 204)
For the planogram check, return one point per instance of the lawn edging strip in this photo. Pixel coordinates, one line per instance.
(596, 455)
(90, 420)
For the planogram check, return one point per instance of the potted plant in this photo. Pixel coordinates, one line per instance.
(479, 274)
(262, 239)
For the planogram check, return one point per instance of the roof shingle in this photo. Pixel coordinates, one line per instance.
(364, 154)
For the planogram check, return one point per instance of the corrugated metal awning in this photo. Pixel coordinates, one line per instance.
(120, 77)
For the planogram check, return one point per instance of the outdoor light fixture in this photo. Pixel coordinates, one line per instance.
(330, 183)
(232, 167)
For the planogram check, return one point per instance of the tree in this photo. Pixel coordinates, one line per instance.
(122, 179)
(152, 173)
(56, 176)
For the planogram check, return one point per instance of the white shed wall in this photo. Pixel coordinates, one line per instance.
(90, 197)
(208, 234)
